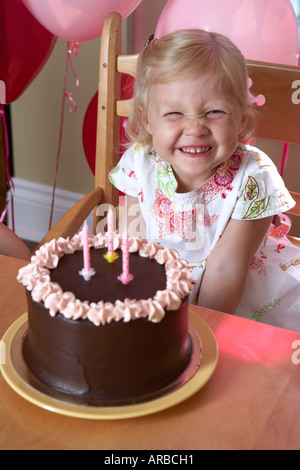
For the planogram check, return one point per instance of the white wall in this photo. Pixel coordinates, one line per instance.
(36, 121)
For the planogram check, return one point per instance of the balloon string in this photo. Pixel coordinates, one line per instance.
(10, 183)
(285, 152)
(72, 51)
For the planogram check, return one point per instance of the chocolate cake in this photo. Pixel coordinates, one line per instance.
(102, 341)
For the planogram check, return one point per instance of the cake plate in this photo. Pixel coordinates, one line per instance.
(202, 366)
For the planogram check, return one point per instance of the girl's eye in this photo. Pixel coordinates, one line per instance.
(174, 114)
(215, 113)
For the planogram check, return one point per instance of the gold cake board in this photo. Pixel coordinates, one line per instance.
(201, 368)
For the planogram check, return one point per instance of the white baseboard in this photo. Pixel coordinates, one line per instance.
(32, 207)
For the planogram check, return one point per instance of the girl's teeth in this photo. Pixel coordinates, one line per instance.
(195, 150)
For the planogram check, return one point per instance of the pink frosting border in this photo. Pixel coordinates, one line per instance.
(36, 278)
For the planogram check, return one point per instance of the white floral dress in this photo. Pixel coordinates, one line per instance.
(247, 186)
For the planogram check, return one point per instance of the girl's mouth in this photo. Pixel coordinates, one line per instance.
(195, 150)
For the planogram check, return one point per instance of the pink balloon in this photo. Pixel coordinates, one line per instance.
(77, 20)
(264, 30)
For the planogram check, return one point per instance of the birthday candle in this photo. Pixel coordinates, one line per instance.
(110, 232)
(125, 277)
(110, 256)
(86, 249)
(87, 272)
(125, 255)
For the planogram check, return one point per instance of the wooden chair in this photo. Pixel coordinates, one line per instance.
(279, 120)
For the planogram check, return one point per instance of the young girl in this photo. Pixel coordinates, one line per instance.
(199, 188)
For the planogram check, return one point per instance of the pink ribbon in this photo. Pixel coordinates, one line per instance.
(10, 183)
(260, 101)
(72, 51)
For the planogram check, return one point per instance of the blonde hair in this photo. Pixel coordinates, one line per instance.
(183, 55)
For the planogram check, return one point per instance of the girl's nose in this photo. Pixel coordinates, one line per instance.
(195, 127)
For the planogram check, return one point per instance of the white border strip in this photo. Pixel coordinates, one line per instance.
(32, 206)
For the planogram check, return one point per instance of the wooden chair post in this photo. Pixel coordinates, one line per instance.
(108, 126)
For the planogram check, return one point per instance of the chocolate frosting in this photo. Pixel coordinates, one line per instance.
(124, 358)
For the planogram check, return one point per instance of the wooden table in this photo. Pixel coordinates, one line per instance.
(251, 402)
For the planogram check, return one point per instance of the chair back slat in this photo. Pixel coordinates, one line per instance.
(279, 117)
(108, 127)
(127, 64)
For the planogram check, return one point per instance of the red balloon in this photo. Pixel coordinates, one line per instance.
(89, 128)
(25, 46)
(89, 132)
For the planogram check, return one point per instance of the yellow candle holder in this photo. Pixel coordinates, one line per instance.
(111, 258)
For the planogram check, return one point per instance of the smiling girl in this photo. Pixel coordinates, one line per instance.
(199, 187)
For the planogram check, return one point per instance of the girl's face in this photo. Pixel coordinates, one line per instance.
(193, 128)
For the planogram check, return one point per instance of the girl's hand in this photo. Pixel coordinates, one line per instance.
(226, 271)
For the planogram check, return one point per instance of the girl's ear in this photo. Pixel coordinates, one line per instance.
(243, 126)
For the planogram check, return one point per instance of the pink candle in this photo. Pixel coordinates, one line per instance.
(86, 248)
(125, 277)
(125, 255)
(110, 256)
(87, 272)
(110, 232)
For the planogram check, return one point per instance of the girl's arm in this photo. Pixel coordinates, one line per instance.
(12, 245)
(226, 271)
